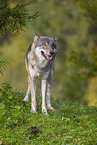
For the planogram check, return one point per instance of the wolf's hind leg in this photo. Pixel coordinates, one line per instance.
(49, 86)
(28, 92)
(48, 98)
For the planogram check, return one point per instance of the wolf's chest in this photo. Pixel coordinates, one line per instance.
(39, 70)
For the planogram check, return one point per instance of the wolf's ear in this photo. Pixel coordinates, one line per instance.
(35, 36)
(55, 39)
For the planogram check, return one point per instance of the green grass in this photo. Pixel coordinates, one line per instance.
(71, 123)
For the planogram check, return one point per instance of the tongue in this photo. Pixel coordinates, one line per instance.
(48, 57)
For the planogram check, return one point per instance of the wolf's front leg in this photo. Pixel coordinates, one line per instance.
(33, 95)
(44, 110)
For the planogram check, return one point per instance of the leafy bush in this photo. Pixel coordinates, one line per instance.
(71, 123)
(14, 19)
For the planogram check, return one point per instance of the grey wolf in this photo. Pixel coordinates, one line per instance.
(40, 62)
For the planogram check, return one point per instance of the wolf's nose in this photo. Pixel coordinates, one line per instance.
(52, 52)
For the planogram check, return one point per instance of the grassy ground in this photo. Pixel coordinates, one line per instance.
(71, 123)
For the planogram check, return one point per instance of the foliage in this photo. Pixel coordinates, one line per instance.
(87, 63)
(90, 8)
(71, 123)
(14, 19)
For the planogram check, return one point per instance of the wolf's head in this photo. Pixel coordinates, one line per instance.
(45, 46)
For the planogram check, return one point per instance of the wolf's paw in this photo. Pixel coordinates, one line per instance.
(25, 99)
(32, 111)
(45, 112)
(51, 108)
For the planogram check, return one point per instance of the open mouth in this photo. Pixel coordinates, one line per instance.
(48, 57)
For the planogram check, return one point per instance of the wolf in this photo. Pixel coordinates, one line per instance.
(40, 62)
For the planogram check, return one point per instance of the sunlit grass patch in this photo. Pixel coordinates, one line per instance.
(71, 123)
